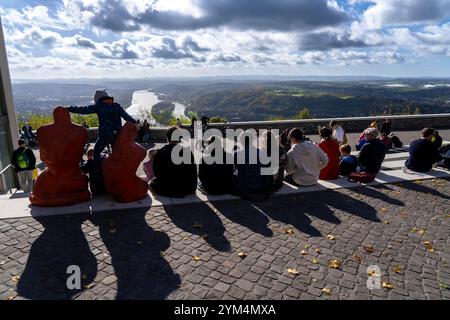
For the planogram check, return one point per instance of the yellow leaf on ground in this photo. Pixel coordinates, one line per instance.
(335, 264)
(303, 252)
(369, 249)
(307, 246)
(289, 231)
(318, 250)
(330, 237)
(384, 209)
(15, 278)
(386, 222)
(315, 261)
(293, 271)
(398, 269)
(162, 253)
(196, 258)
(242, 255)
(11, 298)
(414, 229)
(429, 246)
(387, 285)
(357, 258)
(372, 273)
(421, 231)
(88, 286)
(326, 291)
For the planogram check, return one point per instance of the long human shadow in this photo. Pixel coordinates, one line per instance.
(423, 189)
(135, 248)
(373, 193)
(62, 244)
(290, 212)
(201, 220)
(246, 215)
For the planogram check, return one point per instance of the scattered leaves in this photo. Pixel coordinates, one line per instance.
(357, 258)
(444, 286)
(15, 278)
(88, 286)
(162, 253)
(384, 209)
(196, 258)
(369, 249)
(387, 285)
(293, 271)
(307, 246)
(372, 273)
(335, 264)
(11, 298)
(326, 291)
(303, 252)
(315, 261)
(386, 222)
(330, 237)
(242, 255)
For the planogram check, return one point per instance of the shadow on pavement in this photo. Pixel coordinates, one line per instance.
(61, 245)
(199, 219)
(135, 249)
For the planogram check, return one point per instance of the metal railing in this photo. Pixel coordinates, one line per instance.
(4, 188)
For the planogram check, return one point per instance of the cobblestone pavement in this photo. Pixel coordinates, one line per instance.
(149, 254)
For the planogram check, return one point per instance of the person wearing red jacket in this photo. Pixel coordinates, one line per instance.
(331, 148)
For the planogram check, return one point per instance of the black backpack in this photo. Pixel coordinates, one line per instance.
(396, 141)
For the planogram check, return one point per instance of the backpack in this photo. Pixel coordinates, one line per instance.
(22, 160)
(362, 177)
(396, 142)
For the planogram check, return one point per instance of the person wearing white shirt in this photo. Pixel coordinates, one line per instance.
(338, 133)
(305, 160)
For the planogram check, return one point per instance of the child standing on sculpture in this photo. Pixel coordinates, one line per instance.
(110, 115)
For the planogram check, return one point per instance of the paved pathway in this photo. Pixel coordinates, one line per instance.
(151, 253)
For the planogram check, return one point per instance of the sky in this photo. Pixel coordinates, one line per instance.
(146, 38)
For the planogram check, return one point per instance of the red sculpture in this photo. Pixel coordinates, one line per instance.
(119, 170)
(61, 148)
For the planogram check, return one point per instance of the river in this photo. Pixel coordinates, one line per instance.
(143, 102)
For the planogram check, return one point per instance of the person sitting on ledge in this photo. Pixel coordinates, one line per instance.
(373, 152)
(110, 116)
(148, 165)
(331, 148)
(305, 160)
(348, 163)
(423, 153)
(173, 180)
(215, 178)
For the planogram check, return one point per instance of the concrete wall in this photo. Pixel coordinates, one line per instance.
(351, 125)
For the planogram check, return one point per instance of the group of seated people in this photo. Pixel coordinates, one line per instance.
(302, 164)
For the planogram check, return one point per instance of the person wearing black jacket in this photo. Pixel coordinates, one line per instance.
(173, 180)
(24, 163)
(372, 153)
(423, 153)
(215, 178)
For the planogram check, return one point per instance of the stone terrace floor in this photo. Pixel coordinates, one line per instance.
(151, 253)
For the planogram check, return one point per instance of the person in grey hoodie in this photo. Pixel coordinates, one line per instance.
(305, 160)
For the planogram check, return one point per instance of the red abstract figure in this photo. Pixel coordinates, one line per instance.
(119, 170)
(61, 148)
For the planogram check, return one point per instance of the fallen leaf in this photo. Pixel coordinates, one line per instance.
(447, 215)
(330, 237)
(369, 249)
(11, 298)
(242, 255)
(88, 286)
(197, 225)
(335, 264)
(429, 246)
(15, 278)
(162, 253)
(444, 286)
(196, 258)
(386, 222)
(293, 271)
(384, 209)
(307, 246)
(421, 231)
(315, 261)
(372, 273)
(398, 269)
(326, 291)
(414, 229)
(303, 252)
(289, 231)
(357, 258)
(387, 285)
